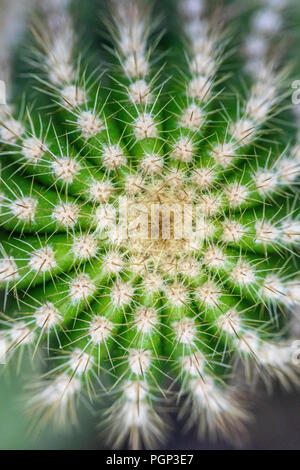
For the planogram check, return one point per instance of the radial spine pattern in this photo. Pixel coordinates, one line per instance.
(149, 229)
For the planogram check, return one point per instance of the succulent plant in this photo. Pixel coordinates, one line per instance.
(150, 219)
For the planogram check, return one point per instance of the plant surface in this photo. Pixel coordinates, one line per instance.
(150, 219)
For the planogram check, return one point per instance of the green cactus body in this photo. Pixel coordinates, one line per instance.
(149, 230)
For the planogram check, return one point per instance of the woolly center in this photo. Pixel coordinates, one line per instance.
(160, 222)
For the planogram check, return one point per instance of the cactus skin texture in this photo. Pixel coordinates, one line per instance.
(139, 322)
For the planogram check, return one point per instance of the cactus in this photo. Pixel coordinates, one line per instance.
(150, 220)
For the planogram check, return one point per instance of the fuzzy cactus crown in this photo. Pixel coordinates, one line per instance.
(150, 223)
